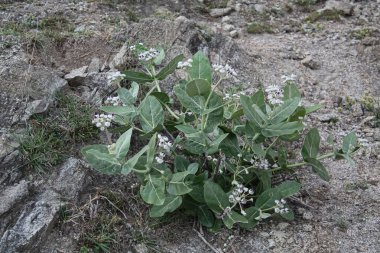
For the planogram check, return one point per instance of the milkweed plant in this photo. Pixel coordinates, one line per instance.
(214, 155)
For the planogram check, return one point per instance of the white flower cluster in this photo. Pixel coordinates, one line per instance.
(160, 157)
(234, 96)
(114, 75)
(102, 121)
(210, 158)
(280, 206)
(290, 78)
(185, 64)
(148, 55)
(163, 142)
(240, 196)
(115, 101)
(226, 70)
(275, 94)
(261, 163)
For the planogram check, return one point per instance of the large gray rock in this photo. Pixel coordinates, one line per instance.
(38, 216)
(21, 84)
(220, 12)
(342, 5)
(11, 195)
(120, 58)
(76, 77)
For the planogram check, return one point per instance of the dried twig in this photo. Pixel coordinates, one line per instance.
(206, 242)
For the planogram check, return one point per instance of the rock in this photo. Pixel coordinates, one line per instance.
(76, 77)
(234, 34)
(343, 6)
(260, 8)
(272, 243)
(140, 248)
(94, 66)
(283, 225)
(80, 29)
(36, 106)
(327, 117)
(71, 179)
(307, 216)
(226, 19)
(33, 224)
(309, 62)
(220, 12)
(38, 216)
(376, 134)
(120, 58)
(357, 110)
(307, 227)
(228, 27)
(11, 195)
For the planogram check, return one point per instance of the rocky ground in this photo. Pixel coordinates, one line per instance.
(52, 202)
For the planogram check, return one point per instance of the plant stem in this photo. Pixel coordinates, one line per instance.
(207, 101)
(304, 163)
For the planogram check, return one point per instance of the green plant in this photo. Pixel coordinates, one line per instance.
(361, 33)
(214, 156)
(330, 15)
(258, 28)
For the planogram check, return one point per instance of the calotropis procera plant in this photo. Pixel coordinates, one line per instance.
(211, 154)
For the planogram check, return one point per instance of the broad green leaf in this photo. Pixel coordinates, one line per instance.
(161, 96)
(214, 147)
(193, 168)
(198, 87)
(153, 192)
(170, 68)
(230, 146)
(291, 91)
(196, 144)
(195, 104)
(119, 110)
(205, 216)
(216, 199)
(233, 217)
(177, 185)
(283, 128)
(284, 190)
(299, 113)
(100, 147)
(310, 146)
(251, 214)
(102, 162)
(200, 67)
(151, 114)
(126, 97)
(259, 99)
(186, 129)
(283, 111)
(350, 142)
(318, 168)
(171, 204)
(131, 163)
(180, 163)
(151, 150)
(138, 77)
(197, 185)
(134, 90)
(122, 144)
(265, 178)
(313, 108)
(253, 112)
(282, 157)
(214, 118)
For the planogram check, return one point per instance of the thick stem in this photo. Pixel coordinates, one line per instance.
(206, 104)
(304, 163)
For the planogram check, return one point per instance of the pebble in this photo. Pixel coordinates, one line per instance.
(307, 227)
(307, 216)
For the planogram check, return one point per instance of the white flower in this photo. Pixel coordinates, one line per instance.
(114, 75)
(159, 160)
(261, 163)
(226, 71)
(163, 142)
(185, 64)
(115, 101)
(148, 55)
(102, 121)
(274, 94)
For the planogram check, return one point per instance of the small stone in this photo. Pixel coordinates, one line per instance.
(264, 234)
(220, 12)
(282, 225)
(140, 248)
(80, 29)
(341, 6)
(272, 243)
(260, 8)
(234, 34)
(226, 19)
(310, 63)
(76, 76)
(307, 227)
(120, 58)
(228, 27)
(94, 66)
(376, 134)
(307, 216)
